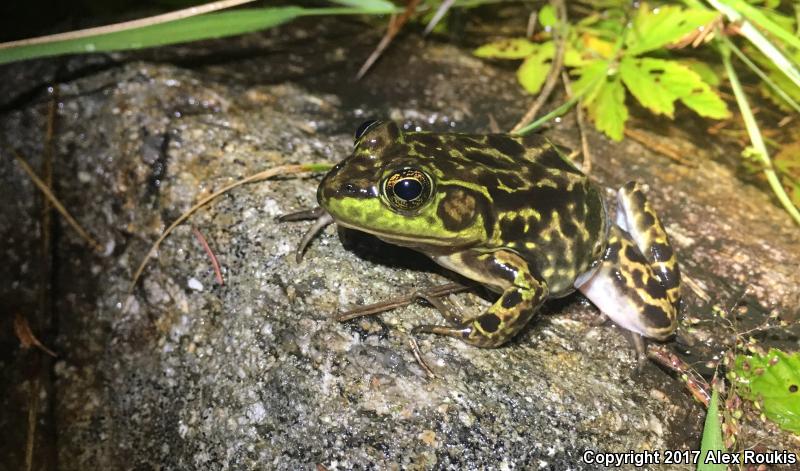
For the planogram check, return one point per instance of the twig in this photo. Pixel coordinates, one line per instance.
(443, 8)
(531, 24)
(560, 38)
(400, 301)
(418, 355)
(281, 170)
(395, 24)
(697, 386)
(47, 174)
(23, 332)
(126, 25)
(211, 255)
(33, 410)
(586, 166)
(56, 204)
(665, 149)
(695, 287)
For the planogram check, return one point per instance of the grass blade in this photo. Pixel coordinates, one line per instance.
(749, 31)
(212, 25)
(756, 139)
(712, 436)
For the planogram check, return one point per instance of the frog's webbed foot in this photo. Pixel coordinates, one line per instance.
(322, 220)
(637, 283)
(522, 294)
(448, 313)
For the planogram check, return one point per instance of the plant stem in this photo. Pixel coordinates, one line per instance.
(556, 112)
(755, 134)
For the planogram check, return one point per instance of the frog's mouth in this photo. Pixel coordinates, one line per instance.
(411, 241)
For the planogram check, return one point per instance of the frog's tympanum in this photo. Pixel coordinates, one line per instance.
(513, 214)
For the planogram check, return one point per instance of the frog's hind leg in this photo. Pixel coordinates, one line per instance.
(648, 233)
(637, 283)
(522, 294)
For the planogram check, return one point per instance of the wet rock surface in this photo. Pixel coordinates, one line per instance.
(255, 373)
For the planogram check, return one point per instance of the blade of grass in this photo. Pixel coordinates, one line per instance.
(126, 25)
(755, 134)
(756, 16)
(778, 90)
(712, 436)
(213, 25)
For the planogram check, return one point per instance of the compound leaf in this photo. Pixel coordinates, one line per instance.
(513, 48)
(534, 69)
(657, 27)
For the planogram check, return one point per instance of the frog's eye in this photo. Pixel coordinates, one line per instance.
(407, 189)
(364, 127)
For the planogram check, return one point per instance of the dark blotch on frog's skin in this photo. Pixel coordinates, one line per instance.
(511, 299)
(655, 316)
(631, 253)
(569, 229)
(506, 145)
(661, 251)
(511, 180)
(513, 227)
(489, 160)
(489, 323)
(551, 158)
(647, 220)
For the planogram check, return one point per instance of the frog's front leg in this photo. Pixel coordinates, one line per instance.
(637, 284)
(506, 272)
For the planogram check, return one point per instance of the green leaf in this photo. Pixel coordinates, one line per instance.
(547, 16)
(514, 48)
(774, 381)
(712, 436)
(686, 85)
(657, 27)
(706, 73)
(646, 86)
(377, 6)
(533, 71)
(591, 78)
(608, 109)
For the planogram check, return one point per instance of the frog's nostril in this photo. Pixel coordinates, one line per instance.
(348, 189)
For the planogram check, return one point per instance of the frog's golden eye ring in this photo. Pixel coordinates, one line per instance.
(364, 127)
(407, 189)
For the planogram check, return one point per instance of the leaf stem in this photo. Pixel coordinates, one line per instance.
(755, 134)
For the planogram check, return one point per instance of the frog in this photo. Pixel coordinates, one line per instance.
(511, 213)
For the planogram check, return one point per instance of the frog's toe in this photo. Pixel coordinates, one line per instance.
(469, 332)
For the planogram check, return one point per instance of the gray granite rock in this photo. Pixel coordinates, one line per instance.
(255, 373)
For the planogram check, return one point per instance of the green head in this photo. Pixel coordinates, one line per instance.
(391, 188)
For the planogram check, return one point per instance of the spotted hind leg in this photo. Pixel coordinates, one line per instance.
(522, 292)
(637, 283)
